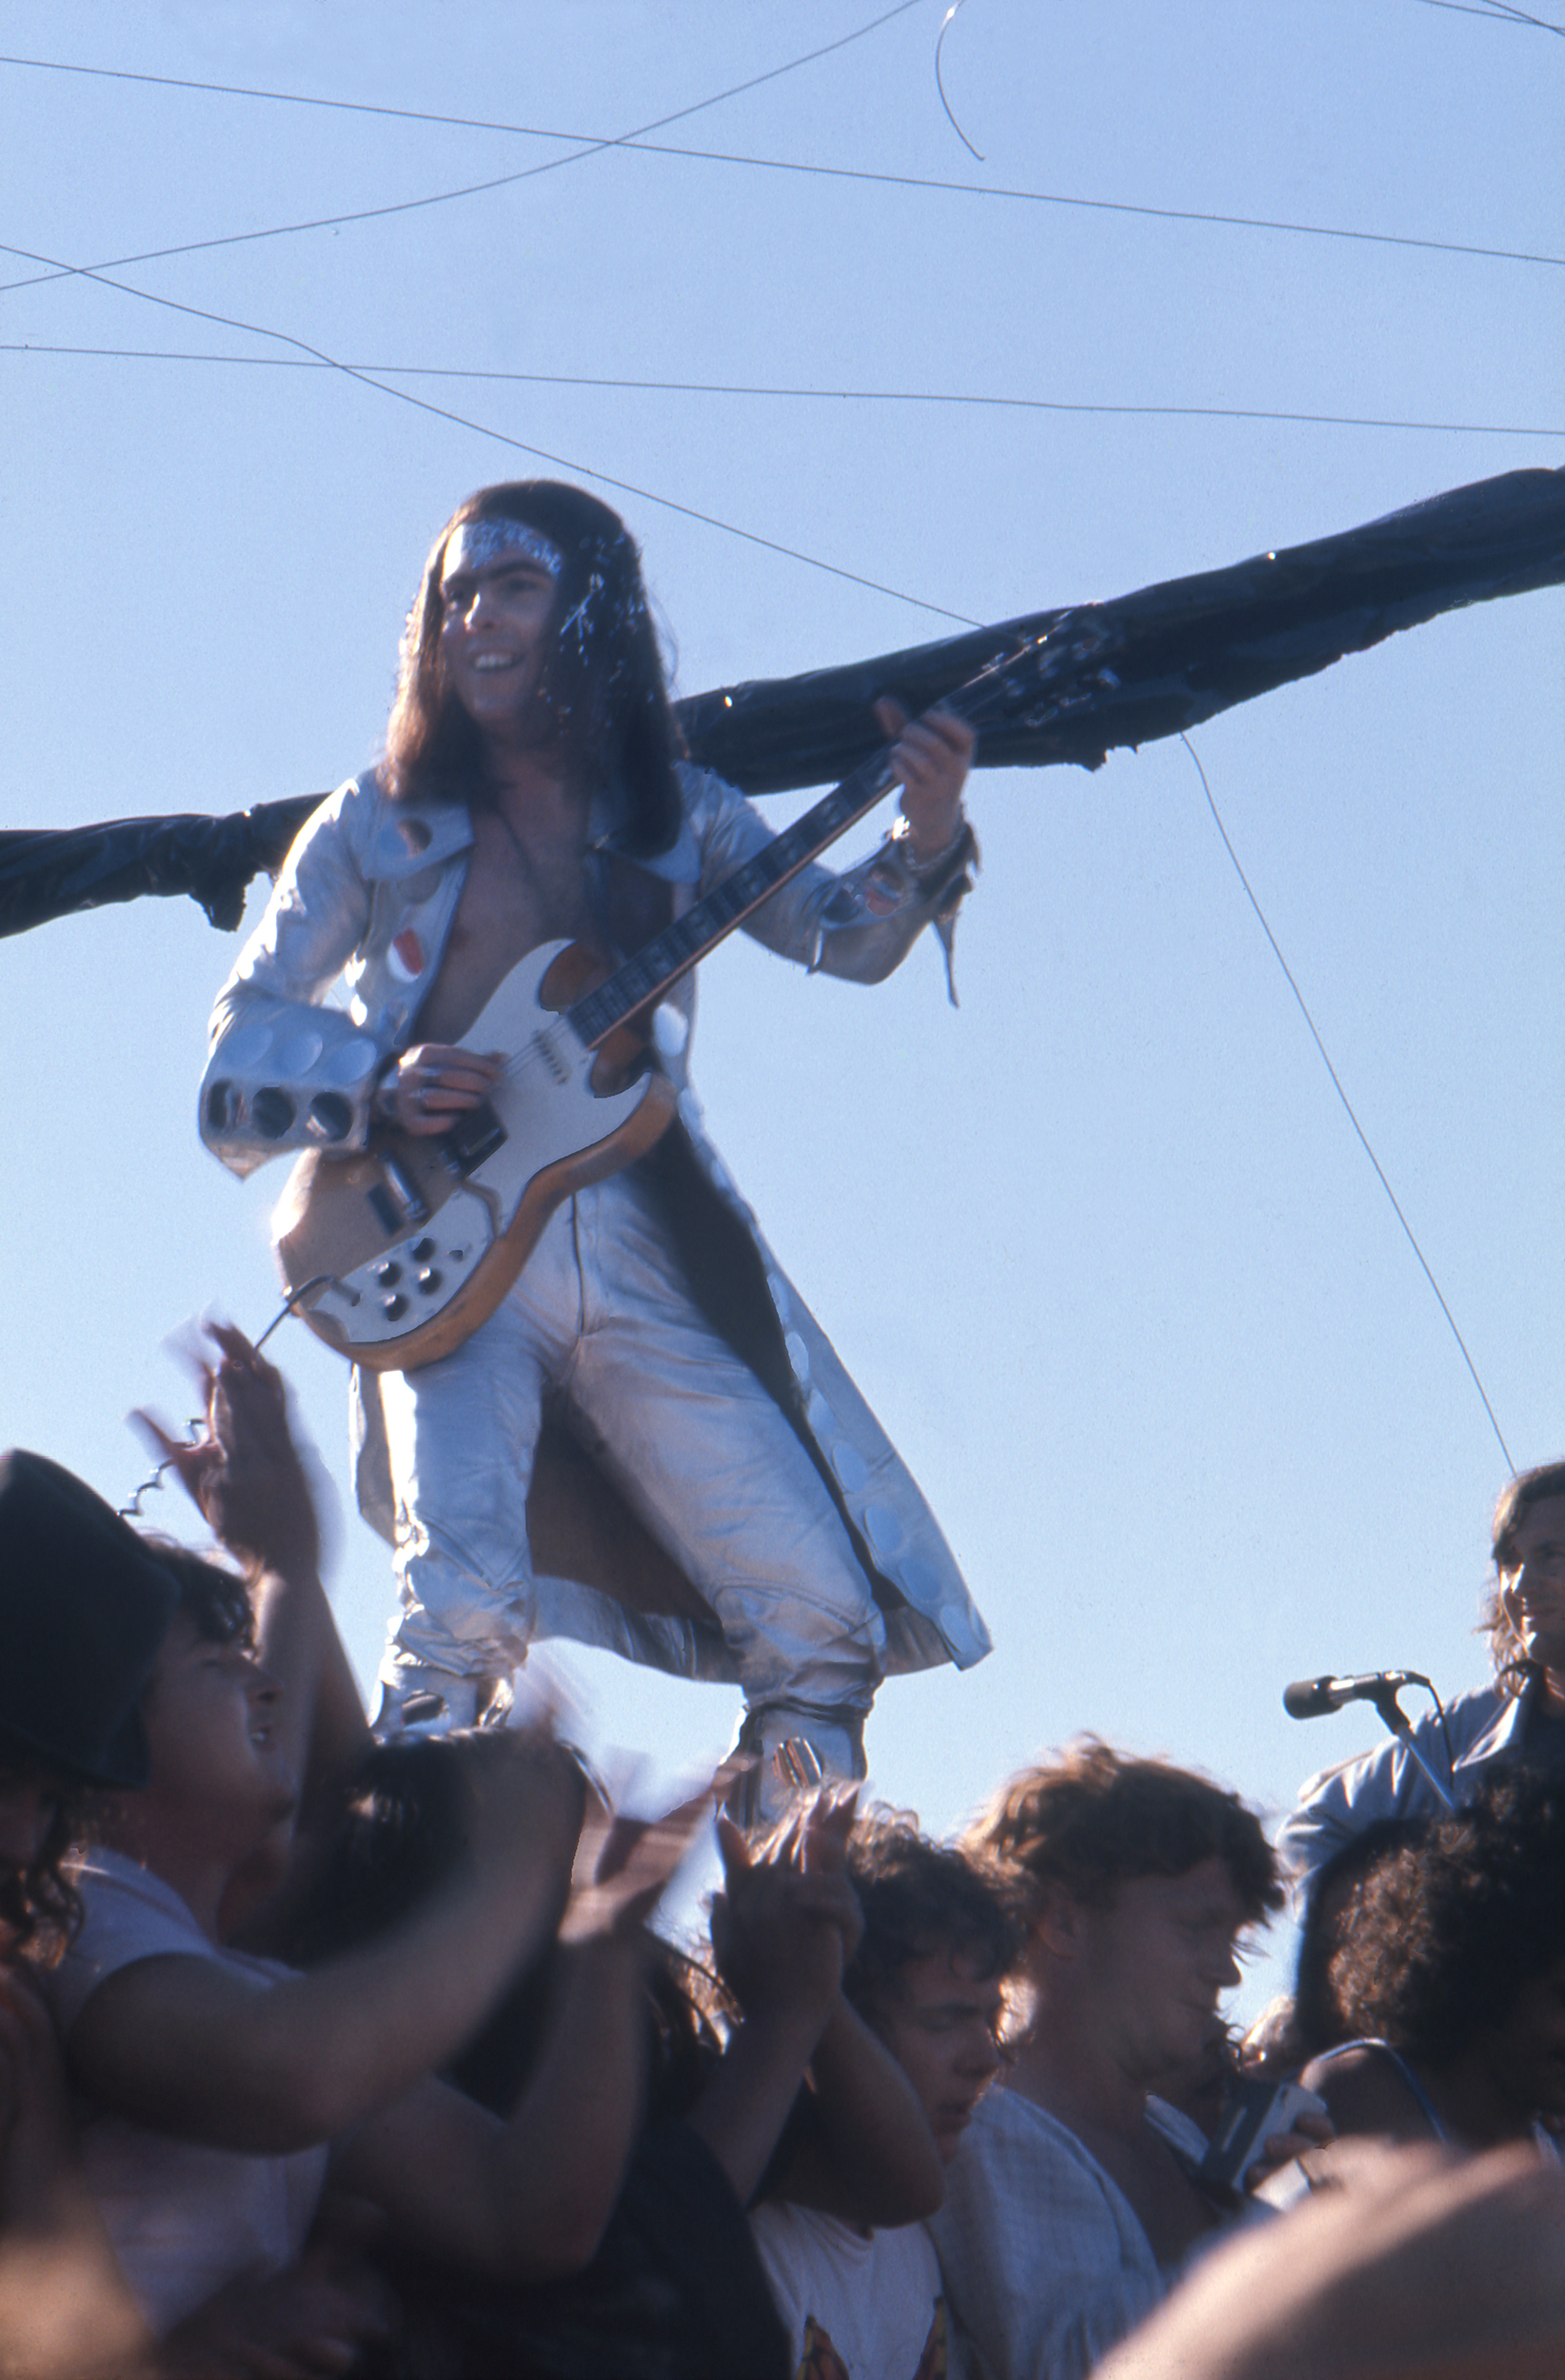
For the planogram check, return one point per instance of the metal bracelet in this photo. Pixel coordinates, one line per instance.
(921, 868)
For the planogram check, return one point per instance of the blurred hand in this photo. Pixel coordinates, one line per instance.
(245, 1474)
(1419, 2267)
(624, 1865)
(1310, 2132)
(787, 1920)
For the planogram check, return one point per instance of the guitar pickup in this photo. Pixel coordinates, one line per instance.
(397, 1203)
(475, 1135)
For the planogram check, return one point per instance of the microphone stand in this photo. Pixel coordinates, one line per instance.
(1384, 1699)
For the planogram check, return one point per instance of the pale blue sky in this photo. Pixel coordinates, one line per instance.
(1099, 1246)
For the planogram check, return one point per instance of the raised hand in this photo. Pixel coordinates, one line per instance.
(625, 1865)
(243, 1473)
(787, 1920)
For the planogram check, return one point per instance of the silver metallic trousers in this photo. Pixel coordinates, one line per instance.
(695, 1444)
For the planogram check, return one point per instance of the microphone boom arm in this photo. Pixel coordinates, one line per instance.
(1313, 1697)
(1401, 1727)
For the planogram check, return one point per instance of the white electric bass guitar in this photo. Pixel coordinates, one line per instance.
(396, 1254)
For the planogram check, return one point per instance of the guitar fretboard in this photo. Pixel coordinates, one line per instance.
(662, 962)
(671, 954)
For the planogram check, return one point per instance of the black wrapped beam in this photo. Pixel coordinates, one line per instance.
(1172, 654)
(54, 874)
(1126, 672)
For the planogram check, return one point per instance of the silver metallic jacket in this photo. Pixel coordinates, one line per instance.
(362, 912)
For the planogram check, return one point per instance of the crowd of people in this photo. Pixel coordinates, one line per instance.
(320, 2054)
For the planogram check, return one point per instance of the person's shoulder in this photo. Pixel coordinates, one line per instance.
(393, 836)
(1368, 2089)
(1010, 2145)
(128, 1914)
(107, 1883)
(1479, 1706)
(704, 794)
(350, 811)
(1003, 2115)
(782, 2224)
(367, 805)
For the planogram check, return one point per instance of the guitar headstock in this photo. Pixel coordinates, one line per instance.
(1039, 679)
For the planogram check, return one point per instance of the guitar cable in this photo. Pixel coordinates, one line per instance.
(195, 1426)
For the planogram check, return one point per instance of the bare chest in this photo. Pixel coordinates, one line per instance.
(1170, 2209)
(522, 887)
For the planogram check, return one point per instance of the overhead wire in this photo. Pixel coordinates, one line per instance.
(1347, 1103)
(745, 389)
(955, 9)
(591, 145)
(503, 438)
(314, 358)
(1498, 14)
(635, 142)
(404, 396)
(1524, 16)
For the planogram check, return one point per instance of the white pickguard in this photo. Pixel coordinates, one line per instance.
(397, 1259)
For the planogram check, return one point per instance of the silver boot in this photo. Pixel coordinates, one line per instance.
(417, 1700)
(797, 1747)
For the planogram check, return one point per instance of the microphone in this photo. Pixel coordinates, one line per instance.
(1313, 1697)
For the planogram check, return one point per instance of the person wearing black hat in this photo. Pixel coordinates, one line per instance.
(85, 1605)
(221, 2081)
(88, 1612)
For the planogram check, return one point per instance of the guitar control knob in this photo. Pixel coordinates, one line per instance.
(429, 1281)
(394, 1308)
(389, 1274)
(421, 1250)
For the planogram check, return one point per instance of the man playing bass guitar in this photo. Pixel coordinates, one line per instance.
(648, 1444)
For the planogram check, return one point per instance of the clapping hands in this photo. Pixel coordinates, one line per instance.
(787, 1921)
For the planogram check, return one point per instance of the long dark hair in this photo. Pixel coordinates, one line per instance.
(39, 1910)
(606, 677)
(1546, 1479)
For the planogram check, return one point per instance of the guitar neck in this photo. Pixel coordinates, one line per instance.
(662, 962)
(671, 954)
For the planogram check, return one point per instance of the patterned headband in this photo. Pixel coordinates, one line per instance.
(494, 536)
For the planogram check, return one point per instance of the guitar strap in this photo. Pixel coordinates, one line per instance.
(630, 907)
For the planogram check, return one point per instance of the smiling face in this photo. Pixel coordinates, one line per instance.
(497, 631)
(1156, 1957)
(941, 2025)
(1532, 1591)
